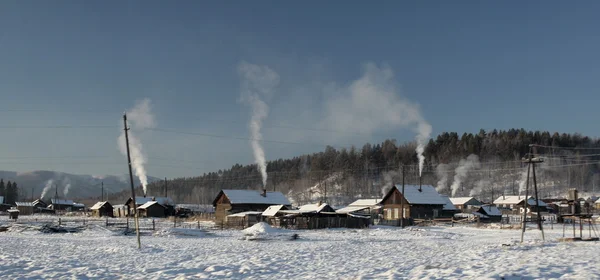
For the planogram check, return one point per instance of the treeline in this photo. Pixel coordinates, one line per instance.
(341, 175)
(10, 192)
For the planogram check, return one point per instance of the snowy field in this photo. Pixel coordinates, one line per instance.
(376, 253)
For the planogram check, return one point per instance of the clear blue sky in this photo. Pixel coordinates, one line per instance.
(468, 64)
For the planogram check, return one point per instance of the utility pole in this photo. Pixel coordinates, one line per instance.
(531, 161)
(137, 223)
(402, 200)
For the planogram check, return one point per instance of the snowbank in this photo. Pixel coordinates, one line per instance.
(263, 231)
(181, 232)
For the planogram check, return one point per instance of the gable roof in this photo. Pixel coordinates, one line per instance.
(490, 210)
(308, 208)
(30, 204)
(426, 194)
(99, 205)
(140, 200)
(351, 209)
(449, 205)
(272, 210)
(516, 199)
(463, 200)
(253, 197)
(149, 203)
(370, 202)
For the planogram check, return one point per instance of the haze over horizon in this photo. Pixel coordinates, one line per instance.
(347, 74)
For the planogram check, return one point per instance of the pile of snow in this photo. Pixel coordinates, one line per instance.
(263, 231)
(181, 232)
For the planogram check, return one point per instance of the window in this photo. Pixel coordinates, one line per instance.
(396, 213)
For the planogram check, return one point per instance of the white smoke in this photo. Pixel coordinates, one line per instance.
(388, 179)
(47, 187)
(373, 103)
(257, 83)
(140, 117)
(67, 183)
(479, 187)
(464, 166)
(523, 182)
(442, 170)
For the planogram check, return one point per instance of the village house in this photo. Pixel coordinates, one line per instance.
(38, 203)
(465, 203)
(152, 209)
(449, 209)
(490, 213)
(102, 209)
(230, 202)
(315, 208)
(420, 202)
(25, 208)
(65, 205)
(517, 203)
(369, 206)
(166, 202)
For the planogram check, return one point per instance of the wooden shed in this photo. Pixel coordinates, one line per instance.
(230, 202)
(102, 209)
(166, 202)
(25, 208)
(492, 212)
(152, 209)
(420, 202)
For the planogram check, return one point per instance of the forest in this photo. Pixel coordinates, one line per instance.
(485, 165)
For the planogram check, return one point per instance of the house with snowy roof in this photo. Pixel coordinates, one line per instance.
(152, 209)
(464, 203)
(167, 203)
(229, 202)
(420, 202)
(25, 208)
(490, 213)
(369, 206)
(517, 203)
(65, 205)
(102, 209)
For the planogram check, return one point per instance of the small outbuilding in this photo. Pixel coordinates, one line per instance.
(102, 209)
(13, 213)
(152, 209)
(492, 212)
(230, 202)
(465, 203)
(25, 208)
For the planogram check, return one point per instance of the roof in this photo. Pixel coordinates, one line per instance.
(366, 202)
(139, 200)
(351, 209)
(426, 195)
(516, 199)
(491, 210)
(13, 210)
(448, 206)
(242, 214)
(99, 205)
(30, 204)
(148, 204)
(272, 210)
(597, 201)
(462, 200)
(61, 201)
(314, 208)
(254, 197)
(75, 204)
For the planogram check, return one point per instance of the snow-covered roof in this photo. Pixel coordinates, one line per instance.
(75, 204)
(426, 194)
(448, 205)
(255, 197)
(317, 208)
(461, 200)
(597, 201)
(30, 204)
(370, 202)
(272, 210)
(98, 205)
(351, 209)
(139, 200)
(243, 214)
(516, 199)
(120, 206)
(13, 211)
(61, 201)
(491, 210)
(148, 204)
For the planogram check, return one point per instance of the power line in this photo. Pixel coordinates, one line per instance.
(564, 148)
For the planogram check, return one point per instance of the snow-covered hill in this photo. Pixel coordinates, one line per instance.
(81, 186)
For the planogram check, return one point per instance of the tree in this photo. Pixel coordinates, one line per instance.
(2, 189)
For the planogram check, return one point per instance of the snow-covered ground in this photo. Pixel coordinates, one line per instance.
(376, 253)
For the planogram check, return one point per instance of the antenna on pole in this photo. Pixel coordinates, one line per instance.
(531, 161)
(137, 223)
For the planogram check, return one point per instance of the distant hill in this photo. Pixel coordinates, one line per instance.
(82, 186)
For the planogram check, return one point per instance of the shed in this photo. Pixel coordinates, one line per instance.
(13, 214)
(120, 210)
(491, 212)
(39, 203)
(316, 208)
(230, 202)
(420, 202)
(166, 202)
(152, 209)
(25, 208)
(243, 219)
(464, 203)
(102, 209)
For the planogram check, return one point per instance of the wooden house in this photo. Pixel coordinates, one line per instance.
(315, 209)
(465, 203)
(420, 202)
(39, 203)
(166, 202)
(102, 209)
(25, 208)
(62, 205)
(152, 209)
(490, 213)
(230, 202)
(363, 207)
(517, 203)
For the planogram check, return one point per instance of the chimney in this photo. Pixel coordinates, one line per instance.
(320, 202)
(420, 186)
(264, 193)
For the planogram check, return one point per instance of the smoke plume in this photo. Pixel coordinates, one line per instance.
(257, 83)
(388, 179)
(441, 172)
(139, 117)
(464, 166)
(47, 187)
(479, 187)
(373, 103)
(67, 183)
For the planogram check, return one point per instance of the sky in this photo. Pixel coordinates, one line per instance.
(344, 73)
